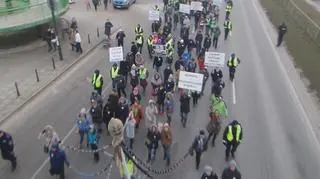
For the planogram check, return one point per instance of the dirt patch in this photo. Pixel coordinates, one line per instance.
(304, 50)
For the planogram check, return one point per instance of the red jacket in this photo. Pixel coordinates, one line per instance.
(201, 63)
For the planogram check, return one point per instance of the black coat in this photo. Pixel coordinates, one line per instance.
(228, 174)
(120, 36)
(161, 95)
(107, 115)
(6, 145)
(157, 61)
(154, 138)
(184, 104)
(166, 74)
(211, 176)
(124, 68)
(96, 113)
(207, 42)
(123, 113)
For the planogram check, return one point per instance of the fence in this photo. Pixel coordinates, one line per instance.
(30, 14)
(303, 20)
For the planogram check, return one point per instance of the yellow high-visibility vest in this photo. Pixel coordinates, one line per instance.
(228, 8)
(114, 72)
(138, 31)
(228, 25)
(139, 40)
(230, 136)
(150, 41)
(143, 73)
(233, 62)
(169, 44)
(130, 167)
(96, 81)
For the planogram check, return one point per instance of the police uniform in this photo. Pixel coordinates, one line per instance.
(114, 72)
(139, 42)
(227, 28)
(232, 64)
(232, 137)
(228, 10)
(138, 31)
(97, 82)
(143, 75)
(131, 169)
(150, 45)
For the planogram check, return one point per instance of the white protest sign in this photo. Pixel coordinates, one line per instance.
(184, 8)
(154, 15)
(217, 2)
(214, 59)
(190, 81)
(115, 54)
(196, 6)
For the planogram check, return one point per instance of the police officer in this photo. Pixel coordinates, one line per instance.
(150, 45)
(282, 29)
(139, 42)
(131, 170)
(227, 28)
(138, 30)
(97, 81)
(233, 63)
(232, 137)
(114, 72)
(7, 149)
(199, 145)
(228, 10)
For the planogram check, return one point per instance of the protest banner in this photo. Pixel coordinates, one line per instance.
(196, 6)
(154, 15)
(217, 2)
(115, 54)
(214, 59)
(190, 81)
(184, 8)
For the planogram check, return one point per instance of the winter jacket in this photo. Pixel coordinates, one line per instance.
(58, 158)
(217, 74)
(157, 62)
(184, 104)
(83, 123)
(199, 38)
(92, 137)
(96, 113)
(133, 97)
(96, 97)
(166, 73)
(211, 176)
(156, 82)
(219, 106)
(151, 114)
(161, 95)
(154, 138)
(201, 63)
(207, 42)
(107, 114)
(228, 174)
(124, 68)
(169, 105)
(121, 35)
(166, 137)
(6, 144)
(199, 144)
(124, 112)
(169, 86)
(137, 112)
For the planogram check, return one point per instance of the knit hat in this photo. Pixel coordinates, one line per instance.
(83, 111)
(208, 169)
(233, 163)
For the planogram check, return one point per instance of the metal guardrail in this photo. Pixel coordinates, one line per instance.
(303, 20)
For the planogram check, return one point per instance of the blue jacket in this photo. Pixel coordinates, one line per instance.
(92, 137)
(83, 123)
(58, 158)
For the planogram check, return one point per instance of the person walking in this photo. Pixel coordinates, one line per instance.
(208, 173)
(7, 149)
(233, 63)
(153, 137)
(207, 43)
(114, 72)
(282, 30)
(169, 106)
(78, 42)
(96, 113)
(137, 113)
(121, 85)
(120, 37)
(139, 42)
(166, 139)
(129, 127)
(232, 137)
(50, 136)
(184, 108)
(57, 160)
(123, 109)
(199, 146)
(161, 95)
(227, 28)
(151, 113)
(216, 34)
(95, 4)
(93, 142)
(135, 95)
(231, 172)
(97, 81)
(143, 76)
(83, 122)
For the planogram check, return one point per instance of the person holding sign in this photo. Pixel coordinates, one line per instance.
(227, 28)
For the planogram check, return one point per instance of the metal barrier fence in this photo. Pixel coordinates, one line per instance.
(35, 13)
(303, 20)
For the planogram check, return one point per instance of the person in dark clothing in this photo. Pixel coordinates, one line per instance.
(232, 137)
(135, 95)
(107, 114)
(169, 84)
(114, 103)
(198, 39)
(205, 79)
(157, 63)
(96, 113)
(134, 49)
(282, 29)
(166, 73)
(121, 85)
(124, 69)
(57, 160)
(120, 37)
(175, 20)
(184, 108)
(199, 145)
(191, 45)
(48, 38)
(152, 144)
(231, 172)
(95, 4)
(218, 87)
(161, 95)
(207, 43)
(216, 75)
(195, 96)
(197, 17)
(208, 173)
(166, 30)
(123, 110)
(181, 47)
(155, 26)
(7, 149)
(107, 28)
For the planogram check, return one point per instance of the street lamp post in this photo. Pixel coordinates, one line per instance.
(52, 5)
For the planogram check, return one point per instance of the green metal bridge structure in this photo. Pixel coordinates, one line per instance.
(20, 15)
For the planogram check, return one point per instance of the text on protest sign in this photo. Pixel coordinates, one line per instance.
(214, 59)
(154, 15)
(190, 81)
(196, 6)
(184, 8)
(217, 2)
(115, 54)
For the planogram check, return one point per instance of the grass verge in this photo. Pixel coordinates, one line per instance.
(305, 52)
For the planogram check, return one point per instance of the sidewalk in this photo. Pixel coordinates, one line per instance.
(20, 67)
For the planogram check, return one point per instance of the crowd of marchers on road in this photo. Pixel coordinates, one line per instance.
(158, 114)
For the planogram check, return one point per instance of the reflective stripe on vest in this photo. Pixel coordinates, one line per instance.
(97, 81)
(230, 134)
(233, 62)
(114, 72)
(228, 25)
(130, 167)
(138, 30)
(150, 41)
(228, 8)
(142, 73)
(139, 40)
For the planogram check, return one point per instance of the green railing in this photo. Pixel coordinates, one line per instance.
(30, 14)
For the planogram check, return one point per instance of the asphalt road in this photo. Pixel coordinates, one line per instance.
(278, 141)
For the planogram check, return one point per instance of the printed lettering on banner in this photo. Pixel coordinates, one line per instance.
(184, 8)
(115, 54)
(217, 2)
(214, 59)
(190, 81)
(154, 15)
(196, 6)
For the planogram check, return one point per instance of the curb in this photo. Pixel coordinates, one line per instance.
(49, 83)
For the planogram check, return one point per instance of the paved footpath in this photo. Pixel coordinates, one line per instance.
(20, 67)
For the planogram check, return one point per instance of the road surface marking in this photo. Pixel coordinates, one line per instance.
(63, 140)
(234, 92)
(293, 93)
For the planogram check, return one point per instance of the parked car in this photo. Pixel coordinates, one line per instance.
(119, 4)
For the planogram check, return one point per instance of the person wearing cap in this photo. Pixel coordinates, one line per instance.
(151, 113)
(96, 114)
(93, 141)
(198, 146)
(120, 37)
(57, 160)
(166, 140)
(114, 72)
(208, 173)
(97, 81)
(232, 137)
(83, 122)
(231, 172)
(7, 149)
(143, 76)
(129, 127)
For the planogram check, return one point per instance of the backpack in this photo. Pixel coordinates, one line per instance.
(200, 144)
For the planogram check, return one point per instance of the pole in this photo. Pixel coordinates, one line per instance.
(17, 89)
(124, 164)
(53, 63)
(37, 75)
(55, 27)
